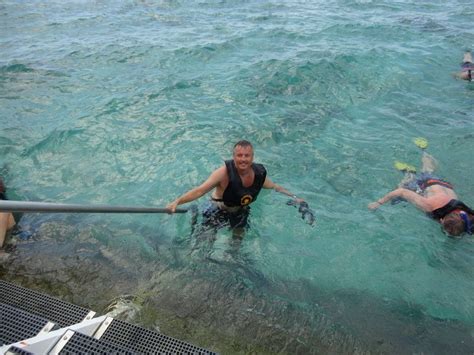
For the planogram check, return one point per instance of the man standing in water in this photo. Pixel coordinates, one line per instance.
(432, 195)
(236, 185)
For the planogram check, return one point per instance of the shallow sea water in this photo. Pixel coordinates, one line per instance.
(135, 102)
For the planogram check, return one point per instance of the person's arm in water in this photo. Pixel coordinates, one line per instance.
(410, 196)
(464, 75)
(269, 184)
(212, 181)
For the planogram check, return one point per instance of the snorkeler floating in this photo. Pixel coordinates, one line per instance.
(467, 67)
(432, 195)
(235, 186)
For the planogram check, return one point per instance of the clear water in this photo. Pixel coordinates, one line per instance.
(135, 102)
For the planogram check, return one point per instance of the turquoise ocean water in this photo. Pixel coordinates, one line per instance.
(135, 102)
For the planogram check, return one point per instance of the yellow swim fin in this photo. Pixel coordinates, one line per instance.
(404, 167)
(421, 142)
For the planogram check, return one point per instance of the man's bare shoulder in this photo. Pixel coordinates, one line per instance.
(219, 174)
(221, 170)
(219, 178)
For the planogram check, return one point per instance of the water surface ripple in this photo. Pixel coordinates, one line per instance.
(135, 102)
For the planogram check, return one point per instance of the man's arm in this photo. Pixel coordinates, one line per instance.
(269, 184)
(410, 196)
(212, 181)
(461, 75)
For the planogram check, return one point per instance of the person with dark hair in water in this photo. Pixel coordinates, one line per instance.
(235, 186)
(7, 221)
(467, 67)
(432, 195)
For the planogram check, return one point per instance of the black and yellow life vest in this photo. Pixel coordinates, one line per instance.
(236, 194)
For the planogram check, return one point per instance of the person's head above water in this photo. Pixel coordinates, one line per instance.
(467, 67)
(243, 144)
(243, 155)
(457, 223)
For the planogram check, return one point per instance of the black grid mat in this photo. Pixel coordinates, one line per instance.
(119, 338)
(142, 340)
(59, 312)
(83, 344)
(16, 325)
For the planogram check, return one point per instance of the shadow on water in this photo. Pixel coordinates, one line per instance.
(222, 302)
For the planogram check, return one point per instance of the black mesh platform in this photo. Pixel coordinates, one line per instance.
(16, 325)
(59, 312)
(37, 309)
(13, 350)
(83, 344)
(145, 341)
